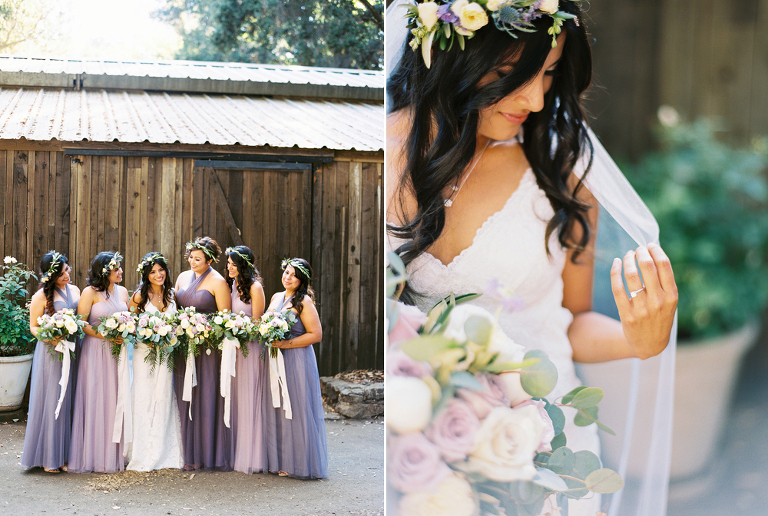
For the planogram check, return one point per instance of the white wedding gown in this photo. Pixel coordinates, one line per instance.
(509, 248)
(156, 426)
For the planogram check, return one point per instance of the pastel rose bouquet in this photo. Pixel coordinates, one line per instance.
(118, 325)
(275, 326)
(469, 430)
(61, 325)
(235, 326)
(193, 331)
(156, 331)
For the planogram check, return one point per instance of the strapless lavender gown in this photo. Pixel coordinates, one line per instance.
(248, 389)
(47, 438)
(92, 449)
(206, 442)
(298, 446)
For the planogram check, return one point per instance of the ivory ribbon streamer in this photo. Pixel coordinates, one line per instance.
(190, 380)
(123, 410)
(229, 349)
(63, 347)
(276, 381)
(159, 393)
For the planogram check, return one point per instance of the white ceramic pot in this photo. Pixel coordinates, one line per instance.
(14, 374)
(705, 377)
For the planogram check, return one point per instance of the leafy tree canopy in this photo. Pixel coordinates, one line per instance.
(328, 33)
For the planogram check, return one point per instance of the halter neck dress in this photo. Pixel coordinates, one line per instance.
(47, 438)
(92, 449)
(206, 442)
(298, 446)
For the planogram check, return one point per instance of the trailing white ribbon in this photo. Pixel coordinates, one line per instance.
(64, 347)
(276, 381)
(159, 393)
(123, 409)
(190, 380)
(229, 349)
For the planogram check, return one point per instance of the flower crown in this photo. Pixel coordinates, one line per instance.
(148, 260)
(191, 246)
(231, 250)
(114, 263)
(296, 264)
(442, 21)
(55, 261)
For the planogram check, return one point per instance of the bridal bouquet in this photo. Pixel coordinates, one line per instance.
(469, 430)
(62, 325)
(193, 331)
(235, 326)
(275, 326)
(118, 324)
(157, 333)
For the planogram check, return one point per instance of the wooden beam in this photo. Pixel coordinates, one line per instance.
(221, 200)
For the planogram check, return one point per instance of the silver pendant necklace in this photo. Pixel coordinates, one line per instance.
(456, 189)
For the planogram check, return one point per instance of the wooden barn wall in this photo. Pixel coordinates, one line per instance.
(702, 57)
(330, 214)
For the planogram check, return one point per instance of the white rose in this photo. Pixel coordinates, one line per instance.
(453, 497)
(549, 6)
(200, 327)
(493, 5)
(111, 324)
(185, 323)
(471, 16)
(59, 323)
(500, 343)
(162, 331)
(218, 319)
(407, 404)
(155, 321)
(506, 444)
(263, 330)
(121, 328)
(514, 388)
(9, 260)
(146, 332)
(428, 14)
(71, 326)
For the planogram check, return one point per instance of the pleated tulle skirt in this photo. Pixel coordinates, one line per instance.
(248, 389)
(298, 446)
(47, 438)
(92, 449)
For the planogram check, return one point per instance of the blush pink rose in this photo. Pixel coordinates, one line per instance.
(549, 428)
(400, 364)
(492, 395)
(414, 463)
(454, 429)
(406, 327)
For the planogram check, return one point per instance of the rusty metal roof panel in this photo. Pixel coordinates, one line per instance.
(161, 117)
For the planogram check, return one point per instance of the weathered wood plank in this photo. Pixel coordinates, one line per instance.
(41, 207)
(63, 187)
(167, 206)
(352, 284)
(113, 167)
(224, 208)
(19, 200)
(7, 209)
(29, 222)
(82, 235)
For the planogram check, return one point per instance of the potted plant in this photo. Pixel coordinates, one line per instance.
(16, 341)
(710, 200)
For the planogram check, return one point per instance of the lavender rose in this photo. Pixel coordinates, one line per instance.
(491, 396)
(454, 429)
(400, 364)
(414, 463)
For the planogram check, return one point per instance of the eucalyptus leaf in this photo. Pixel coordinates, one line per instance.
(549, 480)
(434, 315)
(559, 441)
(447, 394)
(426, 347)
(586, 398)
(556, 415)
(504, 367)
(465, 380)
(479, 330)
(561, 461)
(604, 481)
(396, 263)
(584, 463)
(586, 417)
(569, 397)
(539, 379)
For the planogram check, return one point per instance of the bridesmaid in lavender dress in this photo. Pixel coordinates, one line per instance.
(297, 446)
(46, 442)
(92, 449)
(206, 441)
(250, 372)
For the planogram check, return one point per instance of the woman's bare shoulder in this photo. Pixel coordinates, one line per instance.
(400, 202)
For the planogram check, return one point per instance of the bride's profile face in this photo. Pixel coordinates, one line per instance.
(231, 268)
(197, 261)
(502, 121)
(157, 275)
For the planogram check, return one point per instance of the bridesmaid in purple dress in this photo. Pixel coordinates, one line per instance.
(297, 446)
(206, 441)
(251, 371)
(46, 442)
(92, 449)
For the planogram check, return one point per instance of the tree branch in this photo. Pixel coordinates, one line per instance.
(375, 13)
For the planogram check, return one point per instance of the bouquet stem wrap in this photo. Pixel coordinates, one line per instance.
(190, 380)
(229, 349)
(277, 381)
(123, 409)
(64, 347)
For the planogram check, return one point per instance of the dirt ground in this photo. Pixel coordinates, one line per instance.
(355, 486)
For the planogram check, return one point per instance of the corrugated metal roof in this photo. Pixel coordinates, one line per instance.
(160, 117)
(193, 76)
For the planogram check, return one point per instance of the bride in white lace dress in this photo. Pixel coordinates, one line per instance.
(156, 427)
(470, 201)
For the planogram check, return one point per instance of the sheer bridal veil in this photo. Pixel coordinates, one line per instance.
(639, 394)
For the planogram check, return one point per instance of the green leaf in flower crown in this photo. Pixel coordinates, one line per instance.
(426, 347)
(539, 379)
(584, 463)
(586, 398)
(465, 380)
(569, 397)
(479, 330)
(561, 461)
(556, 415)
(549, 480)
(604, 481)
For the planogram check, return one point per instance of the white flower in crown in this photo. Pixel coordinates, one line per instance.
(493, 5)
(472, 16)
(549, 6)
(428, 14)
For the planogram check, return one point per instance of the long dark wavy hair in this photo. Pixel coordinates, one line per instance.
(144, 283)
(49, 286)
(444, 103)
(96, 279)
(246, 275)
(305, 289)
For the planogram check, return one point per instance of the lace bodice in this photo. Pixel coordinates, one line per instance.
(509, 248)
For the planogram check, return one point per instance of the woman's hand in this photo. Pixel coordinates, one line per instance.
(647, 315)
(117, 340)
(281, 344)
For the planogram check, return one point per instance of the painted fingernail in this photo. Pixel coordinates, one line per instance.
(616, 261)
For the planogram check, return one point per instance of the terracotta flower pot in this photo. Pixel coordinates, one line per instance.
(14, 375)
